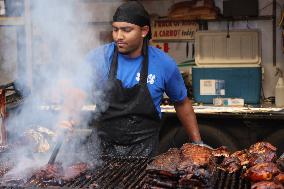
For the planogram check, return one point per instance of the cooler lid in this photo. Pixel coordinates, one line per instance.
(215, 49)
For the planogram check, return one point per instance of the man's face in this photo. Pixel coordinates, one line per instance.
(128, 37)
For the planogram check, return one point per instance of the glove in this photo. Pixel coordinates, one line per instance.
(201, 143)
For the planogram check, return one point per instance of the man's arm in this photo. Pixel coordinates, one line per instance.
(73, 101)
(187, 117)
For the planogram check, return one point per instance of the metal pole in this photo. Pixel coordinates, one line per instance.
(28, 43)
(274, 32)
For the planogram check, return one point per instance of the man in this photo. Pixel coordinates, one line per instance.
(136, 76)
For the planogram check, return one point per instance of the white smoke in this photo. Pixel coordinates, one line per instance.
(58, 70)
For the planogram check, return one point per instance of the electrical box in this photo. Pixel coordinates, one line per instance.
(240, 8)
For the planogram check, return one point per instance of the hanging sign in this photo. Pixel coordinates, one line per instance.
(173, 30)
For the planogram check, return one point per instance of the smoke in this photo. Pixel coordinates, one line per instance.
(8, 56)
(59, 80)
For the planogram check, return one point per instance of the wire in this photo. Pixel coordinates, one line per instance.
(271, 4)
(248, 27)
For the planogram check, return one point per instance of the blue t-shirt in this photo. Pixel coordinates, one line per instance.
(163, 73)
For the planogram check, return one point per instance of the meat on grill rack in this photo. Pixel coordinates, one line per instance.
(266, 185)
(262, 152)
(231, 164)
(111, 172)
(279, 178)
(242, 155)
(166, 163)
(56, 175)
(192, 166)
(221, 153)
(257, 153)
(162, 171)
(262, 172)
(280, 163)
(188, 167)
(5, 166)
(199, 155)
(261, 147)
(197, 167)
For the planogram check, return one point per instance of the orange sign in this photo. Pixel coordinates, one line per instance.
(173, 30)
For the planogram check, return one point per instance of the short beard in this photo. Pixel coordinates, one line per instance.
(124, 53)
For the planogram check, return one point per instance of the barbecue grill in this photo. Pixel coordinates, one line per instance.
(122, 173)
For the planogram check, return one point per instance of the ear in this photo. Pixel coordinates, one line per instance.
(145, 30)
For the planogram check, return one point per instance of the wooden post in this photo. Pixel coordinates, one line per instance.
(3, 115)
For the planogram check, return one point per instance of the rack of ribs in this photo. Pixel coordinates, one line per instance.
(262, 172)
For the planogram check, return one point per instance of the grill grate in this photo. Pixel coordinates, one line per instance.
(124, 173)
(113, 173)
(231, 180)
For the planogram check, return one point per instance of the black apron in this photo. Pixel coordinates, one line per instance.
(130, 126)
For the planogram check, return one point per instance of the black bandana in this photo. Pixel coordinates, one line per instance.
(134, 13)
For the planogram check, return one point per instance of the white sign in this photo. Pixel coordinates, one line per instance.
(212, 87)
(173, 30)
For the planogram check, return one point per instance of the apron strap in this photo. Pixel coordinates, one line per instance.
(114, 65)
(145, 63)
(143, 71)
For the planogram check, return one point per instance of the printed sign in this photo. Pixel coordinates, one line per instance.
(212, 87)
(173, 30)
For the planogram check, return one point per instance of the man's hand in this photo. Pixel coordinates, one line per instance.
(201, 143)
(67, 124)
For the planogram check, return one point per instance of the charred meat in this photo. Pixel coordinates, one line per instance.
(242, 155)
(231, 164)
(221, 152)
(262, 172)
(50, 171)
(197, 167)
(280, 163)
(165, 164)
(262, 158)
(279, 178)
(261, 147)
(162, 171)
(5, 167)
(262, 152)
(56, 175)
(199, 155)
(74, 170)
(266, 185)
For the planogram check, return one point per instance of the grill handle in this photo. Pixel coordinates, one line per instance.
(59, 142)
(55, 151)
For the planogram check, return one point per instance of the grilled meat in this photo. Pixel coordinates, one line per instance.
(197, 177)
(262, 152)
(261, 147)
(279, 178)
(280, 163)
(231, 164)
(262, 158)
(221, 152)
(242, 155)
(165, 164)
(199, 155)
(197, 167)
(74, 170)
(56, 175)
(163, 183)
(13, 181)
(261, 172)
(50, 171)
(94, 185)
(266, 185)
(5, 167)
